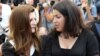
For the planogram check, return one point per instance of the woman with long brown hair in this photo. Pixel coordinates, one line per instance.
(22, 38)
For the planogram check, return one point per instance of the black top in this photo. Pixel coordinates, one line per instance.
(85, 45)
(95, 31)
(9, 50)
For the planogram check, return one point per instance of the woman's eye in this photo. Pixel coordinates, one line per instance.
(30, 20)
(35, 19)
(58, 17)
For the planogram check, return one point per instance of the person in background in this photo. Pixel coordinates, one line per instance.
(95, 25)
(17, 2)
(5, 12)
(98, 10)
(86, 13)
(22, 37)
(42, 1)
(46, 17)
(93, 9)
(70, 37)
(32, 2)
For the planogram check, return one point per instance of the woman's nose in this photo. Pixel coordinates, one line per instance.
(35, 22)
(54, 20)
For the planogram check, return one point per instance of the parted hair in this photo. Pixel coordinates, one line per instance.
(20, 30)
(73, 18)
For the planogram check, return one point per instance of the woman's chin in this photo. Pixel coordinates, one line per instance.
(58, 30)
(33, 31)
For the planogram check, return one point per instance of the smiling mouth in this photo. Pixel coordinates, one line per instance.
(56, 26)
(32, 27)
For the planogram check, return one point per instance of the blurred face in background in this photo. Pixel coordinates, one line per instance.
(84, 1)
(0, 9)
(31, 2)
(42, 1)
(46, 6)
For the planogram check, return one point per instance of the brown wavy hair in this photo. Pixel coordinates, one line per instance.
(20, 30)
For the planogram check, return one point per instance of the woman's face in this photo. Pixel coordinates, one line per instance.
(33, 22)
(30, 2)
(58, 20)
(42, 1)
(84, 1)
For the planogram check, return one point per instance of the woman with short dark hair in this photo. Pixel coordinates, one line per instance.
(70, 37)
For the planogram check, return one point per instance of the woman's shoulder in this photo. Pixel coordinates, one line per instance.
(46, 40)
(46, 37)
(91, 41)
(8, 49)
(87, 35)
(86, 32)
(7, 45)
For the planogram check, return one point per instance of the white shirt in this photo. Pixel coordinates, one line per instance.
(6, 12)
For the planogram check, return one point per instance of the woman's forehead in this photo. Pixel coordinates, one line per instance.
(35, 15)
(55, 12)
